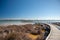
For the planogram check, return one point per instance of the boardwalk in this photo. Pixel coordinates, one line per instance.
(54, 33)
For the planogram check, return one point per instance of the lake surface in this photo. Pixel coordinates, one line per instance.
(6, 22)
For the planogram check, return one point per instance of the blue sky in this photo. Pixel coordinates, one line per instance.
(42, 9)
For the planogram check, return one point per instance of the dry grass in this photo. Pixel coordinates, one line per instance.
(23, 32)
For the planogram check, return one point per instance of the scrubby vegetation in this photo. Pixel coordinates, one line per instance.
(57, 23)
(37, 31)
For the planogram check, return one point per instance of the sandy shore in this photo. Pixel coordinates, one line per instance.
(6, 24)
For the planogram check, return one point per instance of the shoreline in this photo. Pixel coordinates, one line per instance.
(6, 24)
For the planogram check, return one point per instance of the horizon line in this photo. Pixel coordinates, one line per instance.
(26, 19)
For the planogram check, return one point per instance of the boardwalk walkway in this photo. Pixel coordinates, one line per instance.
(54, 33)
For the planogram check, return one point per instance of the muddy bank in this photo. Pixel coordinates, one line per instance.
(37, 31)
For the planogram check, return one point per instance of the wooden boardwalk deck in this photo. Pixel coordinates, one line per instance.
(54, 33)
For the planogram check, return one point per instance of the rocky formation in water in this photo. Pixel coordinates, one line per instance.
(37, 31)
